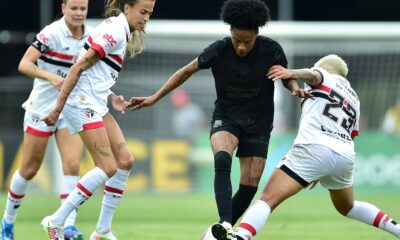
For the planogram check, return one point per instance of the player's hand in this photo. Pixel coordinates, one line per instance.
(277, 72)
(136, 103)
(57, 82)
(118, 102)
(52, 118)
(301, 93)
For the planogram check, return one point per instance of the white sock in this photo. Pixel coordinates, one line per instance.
(16, 193)
(254, 219)
(83, 190)
(369, 214)
(68, 184)
(113, 191)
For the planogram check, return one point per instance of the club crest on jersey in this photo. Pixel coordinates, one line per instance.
(89, 113)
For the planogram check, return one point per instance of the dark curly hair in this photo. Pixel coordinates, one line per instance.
(245, 14)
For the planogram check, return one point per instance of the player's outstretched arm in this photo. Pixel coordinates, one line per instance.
(311, 77)
(178, 78)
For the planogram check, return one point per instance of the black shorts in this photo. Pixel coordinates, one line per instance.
(253, 139)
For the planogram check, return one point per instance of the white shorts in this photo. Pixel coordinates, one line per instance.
(35, 126)
(309, 162)
(80, 119)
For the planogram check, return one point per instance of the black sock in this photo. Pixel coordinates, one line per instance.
(222, 185)
(241, 201)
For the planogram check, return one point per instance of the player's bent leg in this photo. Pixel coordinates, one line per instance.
(251, 170)
(363, 211)
(71, 150)
(280, 186)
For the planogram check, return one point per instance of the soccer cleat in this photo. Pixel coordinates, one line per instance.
(54, 232)
(7, 231)
(71, 233)
(223, 231)
(107, 236)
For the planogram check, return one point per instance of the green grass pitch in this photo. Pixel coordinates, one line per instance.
(183, 216)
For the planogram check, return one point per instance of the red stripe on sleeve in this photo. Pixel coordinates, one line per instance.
(113, 190)
(84, 190)
(93, 125)
(38, 133)
(354, 133)
(99, 49)
(378, 219)
(249, 228)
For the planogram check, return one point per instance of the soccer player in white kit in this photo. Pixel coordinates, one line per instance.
(83, 101)
(323, 149)
(47, 60)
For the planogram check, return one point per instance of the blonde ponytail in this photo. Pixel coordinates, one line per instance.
(112, 8)
(136, 43)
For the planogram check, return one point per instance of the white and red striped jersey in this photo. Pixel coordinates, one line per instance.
(332, 118)
(59, 51)
(109, 40)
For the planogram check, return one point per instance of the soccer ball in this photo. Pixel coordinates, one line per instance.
(207, 235)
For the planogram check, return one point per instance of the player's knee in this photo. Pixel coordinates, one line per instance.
(29, 172)
(344, 209)
(126, 162)
(72, 167)
(222, 161)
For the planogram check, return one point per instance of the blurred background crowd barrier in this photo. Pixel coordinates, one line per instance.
(168, 162)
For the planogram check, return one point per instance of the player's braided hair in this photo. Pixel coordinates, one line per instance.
(112, 9)
(245, 14)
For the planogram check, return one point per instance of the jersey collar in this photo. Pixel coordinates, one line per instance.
(121, 17)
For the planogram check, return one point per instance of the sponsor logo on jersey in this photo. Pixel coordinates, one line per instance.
(110, 39)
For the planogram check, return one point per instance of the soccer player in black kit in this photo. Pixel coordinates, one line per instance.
(244, 108)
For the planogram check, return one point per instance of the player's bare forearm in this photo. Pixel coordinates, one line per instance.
(290, 84)
(177, 79)
(69, 84)
(73, 77)
(306, 75)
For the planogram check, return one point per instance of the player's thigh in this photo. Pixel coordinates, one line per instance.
(119, 148)
(97, 142)
(279, 187)
(33, 150)
(251, 170)
(70, 146)
(342, 199)
(223, 141)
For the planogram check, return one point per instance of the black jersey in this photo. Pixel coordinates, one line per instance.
(244, 92)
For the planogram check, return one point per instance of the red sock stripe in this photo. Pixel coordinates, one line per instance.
(113, 190)
(378, 218)
(15, 196)
(249, 228)
(84, 190)
(64, 196)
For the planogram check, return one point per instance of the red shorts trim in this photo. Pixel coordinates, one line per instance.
(38, 132)
(93, 125)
